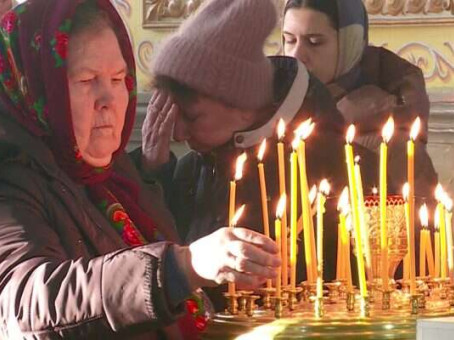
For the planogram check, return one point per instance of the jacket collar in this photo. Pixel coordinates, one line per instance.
(287, 111)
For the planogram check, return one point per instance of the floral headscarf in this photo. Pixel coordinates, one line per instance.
(34, 91)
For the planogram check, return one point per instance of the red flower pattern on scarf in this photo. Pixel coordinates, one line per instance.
(9, 21)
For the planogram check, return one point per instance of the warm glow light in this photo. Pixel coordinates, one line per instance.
(415, 129)
(350, 134)
(375, 191)
(281, 129)
(281, 206)
(357, 159)
(295, 143)
(324, 187)
(424, 215)
(240, 165)
(388, 130)
(237, 215)
(262, 150)
(439, 193)
(343, 205)
(305, 129)
(313, 194)
(448, 203)
(406, 191)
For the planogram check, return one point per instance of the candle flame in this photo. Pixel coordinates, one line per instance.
(262, 150)
(406, 191)
(424, 215)
(375, 191)
(439, 193)
(343, 205)
(357, 159)
(240, 165)
(348, 223)
(237, 215)
(281, 206)
(448, 203)
(313, 194)
(281, 129)
(305, 129)
(295, 143)
(324, 187)
(350, 134)
(388, 130)
(415, 129)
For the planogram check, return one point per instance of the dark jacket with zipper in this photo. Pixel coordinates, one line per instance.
(64, 271)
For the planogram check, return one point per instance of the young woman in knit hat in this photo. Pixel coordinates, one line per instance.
(368, 83)
(218, 92)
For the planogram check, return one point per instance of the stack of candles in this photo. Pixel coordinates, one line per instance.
(351, 205)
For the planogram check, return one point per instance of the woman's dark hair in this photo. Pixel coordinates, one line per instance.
(328, 7)
(89, 17)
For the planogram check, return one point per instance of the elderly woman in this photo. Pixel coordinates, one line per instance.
(368, 83)
(86, 250)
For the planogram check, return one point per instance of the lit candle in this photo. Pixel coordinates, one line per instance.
(293, 212)
(342, 236)
(439, 195)
(429, 253)
(411, 262)
(355, 212)
(424, 216)
(233, 222)
(437, 246)
(362, 218)
(387, 133)
(449, 241)
(321, 200)
(348, 266)
(278, 229)
(283, 191)
(238, 175)
(263, 195)
(304, 131)
(411, 194)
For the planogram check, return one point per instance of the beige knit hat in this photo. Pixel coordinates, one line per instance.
(219, 52)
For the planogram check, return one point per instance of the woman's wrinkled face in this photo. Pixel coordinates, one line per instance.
(98, 93)
(310, 38)
(207, 124)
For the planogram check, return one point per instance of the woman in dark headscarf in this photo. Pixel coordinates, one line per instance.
(368, 83)
(79, 231)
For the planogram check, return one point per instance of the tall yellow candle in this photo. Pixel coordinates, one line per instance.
(321, 200)
(232, 201)
(293, 212)
(437, 249)
(387, 133)
(348, 265)
(342, 236)
(411, 245)
(282, 191)
(424, 216)
(232, 224)
(439, 195)
(304, 131)
(430, 254)
(277, 230)
(411, 200)
(449, 241)
(263, 195)
(355, 210)
(362, 219)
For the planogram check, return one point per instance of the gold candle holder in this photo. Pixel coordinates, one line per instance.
(250, 304)
(364, 307)
(397, 233)
(232, 303)
(415, 303)
(309, 290)
(278, 307)
(386, 300)
(451, 295)
(243, 299)
(333, 291)
(267, 293)
(292, 297)
(350, 301)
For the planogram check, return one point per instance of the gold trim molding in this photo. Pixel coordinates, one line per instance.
(420, 8)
